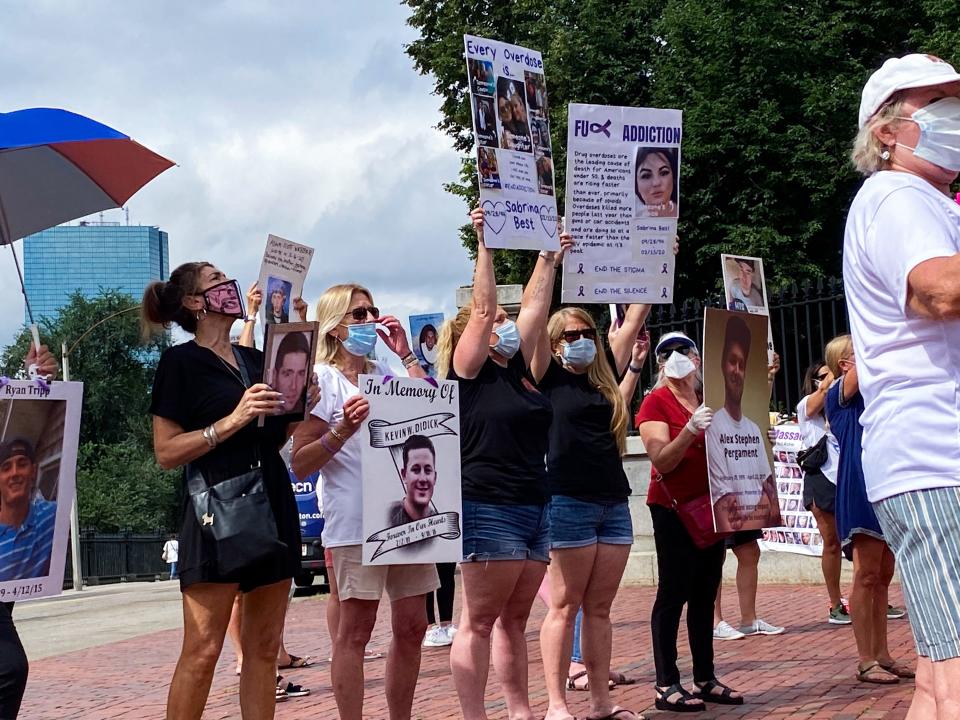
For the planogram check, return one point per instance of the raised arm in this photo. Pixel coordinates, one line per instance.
(622, 342)
(537, 296)
(254, 298)
(631, 378)
(473, 347)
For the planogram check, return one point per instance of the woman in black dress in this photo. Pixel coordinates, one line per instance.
(204, 413)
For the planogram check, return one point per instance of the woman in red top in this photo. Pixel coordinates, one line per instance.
(671, 421)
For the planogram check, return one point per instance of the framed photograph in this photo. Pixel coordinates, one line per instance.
(289, 350)
(39, 434)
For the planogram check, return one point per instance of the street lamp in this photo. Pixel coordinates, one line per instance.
(74, 511)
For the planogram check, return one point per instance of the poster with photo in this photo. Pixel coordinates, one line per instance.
(288, 352)
(424, 333)
(798, 531)
(511, 126)
(743, 489)
(39, 433)
(282, 274)
(745, 289)
(623, 200)
(411, 471)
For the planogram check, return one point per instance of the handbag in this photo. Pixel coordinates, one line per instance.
(235, 513)
(812, 458)
(696, 516)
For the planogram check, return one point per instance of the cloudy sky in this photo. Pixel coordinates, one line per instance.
(303, 119)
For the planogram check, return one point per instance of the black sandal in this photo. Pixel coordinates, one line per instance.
(705, 691)
(681, 705)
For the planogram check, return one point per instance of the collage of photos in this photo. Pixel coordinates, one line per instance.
(798, 532)
(536, 91)
(657, 182)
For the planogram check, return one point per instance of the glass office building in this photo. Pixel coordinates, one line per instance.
(88, 257)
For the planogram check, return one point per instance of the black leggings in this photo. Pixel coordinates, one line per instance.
(13, 665)
(444, 594)
(691, 576)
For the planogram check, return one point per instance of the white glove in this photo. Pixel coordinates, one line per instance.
(700, 420)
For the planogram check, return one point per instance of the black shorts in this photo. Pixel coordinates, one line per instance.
(741, 537)
(818, 489)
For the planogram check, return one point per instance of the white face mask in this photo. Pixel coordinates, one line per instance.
(939, 141)
(678, 366)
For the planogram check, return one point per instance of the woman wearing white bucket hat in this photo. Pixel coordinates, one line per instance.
(901, 267)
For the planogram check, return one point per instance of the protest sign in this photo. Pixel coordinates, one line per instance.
(508, 97)
(798, 532)
(743, 490)
(424, 333)
(623, 198)
(411, 471)
(745, 289)
(38, 467)
(289, 350)
(282, 274)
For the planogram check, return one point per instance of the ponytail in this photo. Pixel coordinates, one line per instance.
(163, 300)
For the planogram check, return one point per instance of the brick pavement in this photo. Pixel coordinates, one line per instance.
(807, 673)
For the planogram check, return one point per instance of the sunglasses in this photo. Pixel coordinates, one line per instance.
(682, 349)
(820, 378)
(360, 313)
(573, 335)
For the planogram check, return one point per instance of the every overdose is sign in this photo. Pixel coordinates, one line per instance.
(508, 97)
(623, 199)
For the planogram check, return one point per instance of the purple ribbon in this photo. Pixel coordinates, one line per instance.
(597, 127)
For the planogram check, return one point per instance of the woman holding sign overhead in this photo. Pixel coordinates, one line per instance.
(503, 436)
(349, 327)
(591, 530)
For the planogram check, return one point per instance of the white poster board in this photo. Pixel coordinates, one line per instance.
(745, 289)
(623, 199)
(798, 533)
(411, 471)
(282, 274)
(39, 433)
(511, 126)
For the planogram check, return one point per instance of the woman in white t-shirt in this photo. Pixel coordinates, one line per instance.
(820, 484)
(328, 440)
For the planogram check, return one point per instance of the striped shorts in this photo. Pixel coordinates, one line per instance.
(922, 528)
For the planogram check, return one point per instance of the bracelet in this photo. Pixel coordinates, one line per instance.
(410, 360)
(337, 435)
(208, 436)
(214, 434)
(250, 319)
(633, 369)
(330, 450)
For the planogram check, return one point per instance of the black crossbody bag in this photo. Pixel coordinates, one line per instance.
(810, 459)
(235, 513)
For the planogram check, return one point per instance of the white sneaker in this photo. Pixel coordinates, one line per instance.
(761, 627)
(450, 631)
(437, 637)
(726, 631)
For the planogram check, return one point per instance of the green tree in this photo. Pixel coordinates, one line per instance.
(769, 92)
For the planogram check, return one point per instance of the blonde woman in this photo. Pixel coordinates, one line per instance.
(503, 437)
(328, 441)
(590, 527)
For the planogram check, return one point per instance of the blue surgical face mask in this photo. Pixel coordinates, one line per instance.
(939, 141)
(508, 341)
(580, 353)
(361, 339)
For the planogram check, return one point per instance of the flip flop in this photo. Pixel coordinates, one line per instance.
(877, 674)
(618, 714)
(901, 671)
(572, 682)
(618, 678)
(297, 662)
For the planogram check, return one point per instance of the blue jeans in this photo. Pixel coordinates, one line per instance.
(173, 570)
(505, 532)
(577, 655)
(579, 523)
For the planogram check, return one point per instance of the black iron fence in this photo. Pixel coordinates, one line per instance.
(118, 557)
(803, 318)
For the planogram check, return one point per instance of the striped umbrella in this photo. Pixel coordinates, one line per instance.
(56, 166)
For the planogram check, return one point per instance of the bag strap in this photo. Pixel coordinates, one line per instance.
(195, 482)
(247, 381)
(666, 490)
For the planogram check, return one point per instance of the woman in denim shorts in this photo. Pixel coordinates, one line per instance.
(503, 437)
(590, 527)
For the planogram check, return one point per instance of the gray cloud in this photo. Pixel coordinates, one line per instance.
(303, 119)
